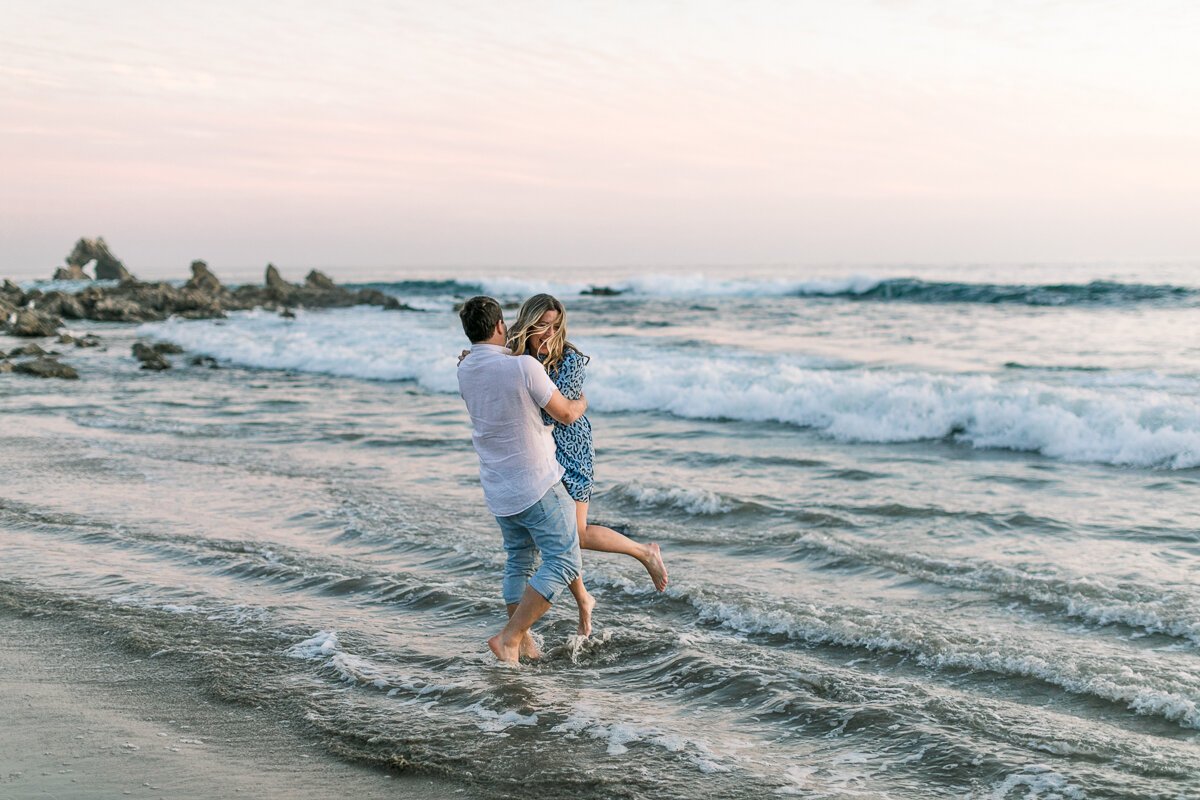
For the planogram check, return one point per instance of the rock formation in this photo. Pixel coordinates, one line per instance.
(72, 273)
(108, 266)
(32, 323)
(87, 340)
(31, 349)
(45, 367)
(203, 279)
(320, 282)
(36, 314)
(150, 357)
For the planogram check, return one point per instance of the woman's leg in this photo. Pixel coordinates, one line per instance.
(585, 601)
(606, 540)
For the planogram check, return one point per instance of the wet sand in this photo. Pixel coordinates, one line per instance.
(85, 719)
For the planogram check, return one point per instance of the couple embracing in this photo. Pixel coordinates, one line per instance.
(523, 390)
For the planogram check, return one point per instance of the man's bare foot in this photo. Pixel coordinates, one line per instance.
(529, 648)
(507, 653)
(653, 563)
(585, 614)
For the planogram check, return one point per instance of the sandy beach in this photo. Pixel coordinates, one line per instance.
(88, 719)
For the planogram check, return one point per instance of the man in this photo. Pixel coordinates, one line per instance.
(522, 479)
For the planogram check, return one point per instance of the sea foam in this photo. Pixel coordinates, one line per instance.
(1065, 416)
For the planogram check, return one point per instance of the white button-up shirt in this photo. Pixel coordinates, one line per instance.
(504, 396)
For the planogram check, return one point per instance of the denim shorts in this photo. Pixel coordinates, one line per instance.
(548, 527)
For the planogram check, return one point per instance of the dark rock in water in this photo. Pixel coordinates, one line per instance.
(205, 361)
(320, 282)
(108, 266)
(30, 349)
(602, 291)
(150, 358)
(167, 347)
(203, 279)
(12, 293)
(87, 340)
(287, 313)
(118, 309)
(142, 302)
(374, 297)
(34, 323)
(11, 298)
(44, 367)
(72, 273)
(5, 366)
(61, 304)
(277, 287)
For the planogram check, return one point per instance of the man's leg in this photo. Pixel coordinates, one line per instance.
(518, 568)
(550, 524)
(529, 647)
(507, 643)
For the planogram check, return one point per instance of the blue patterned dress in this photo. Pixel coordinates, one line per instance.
(573, 442)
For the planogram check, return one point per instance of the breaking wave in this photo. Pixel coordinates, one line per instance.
(855, 287)
(1135, 423)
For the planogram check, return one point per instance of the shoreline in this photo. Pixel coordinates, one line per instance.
(87, 718)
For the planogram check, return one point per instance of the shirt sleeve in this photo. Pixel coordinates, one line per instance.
(537, 382)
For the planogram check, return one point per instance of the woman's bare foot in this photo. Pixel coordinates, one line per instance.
(585, 614)
(529, 648)
(653, 563)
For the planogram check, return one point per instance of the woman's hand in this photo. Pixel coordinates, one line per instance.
(463, 355)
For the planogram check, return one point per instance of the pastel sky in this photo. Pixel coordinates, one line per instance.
(366, 133)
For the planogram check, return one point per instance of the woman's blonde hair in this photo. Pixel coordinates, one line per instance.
(529, 317)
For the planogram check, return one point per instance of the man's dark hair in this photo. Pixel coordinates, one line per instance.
(479, 316)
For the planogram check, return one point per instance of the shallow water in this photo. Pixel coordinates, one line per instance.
(929, 539)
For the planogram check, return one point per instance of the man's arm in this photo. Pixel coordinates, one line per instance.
(564, 410)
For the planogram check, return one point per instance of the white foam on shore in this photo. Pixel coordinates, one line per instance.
(498, 721)
(620, 734)
(325, 647)
(322, 644)
(1127, 425)
(1039, 782)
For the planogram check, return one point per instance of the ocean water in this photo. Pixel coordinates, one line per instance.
(931, 532)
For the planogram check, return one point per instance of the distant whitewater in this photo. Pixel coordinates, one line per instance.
(1125, 417)
(855, 287)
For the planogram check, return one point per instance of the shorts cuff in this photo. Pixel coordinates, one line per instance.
(546, 589)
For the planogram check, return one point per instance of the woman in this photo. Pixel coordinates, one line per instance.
(541, 331)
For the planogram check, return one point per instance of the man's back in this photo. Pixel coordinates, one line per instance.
(504, 396)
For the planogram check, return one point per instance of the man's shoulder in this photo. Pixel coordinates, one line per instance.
(489, 366)
(528, 364)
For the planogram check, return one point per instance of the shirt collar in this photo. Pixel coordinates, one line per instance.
(492, 347)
